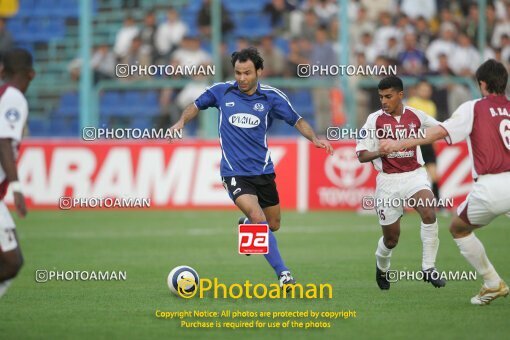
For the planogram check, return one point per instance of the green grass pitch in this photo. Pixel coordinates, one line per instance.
(320, 247)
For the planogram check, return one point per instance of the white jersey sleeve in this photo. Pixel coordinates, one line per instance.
(460, 124)
(370, 143)
(426, 120)
(13, 114)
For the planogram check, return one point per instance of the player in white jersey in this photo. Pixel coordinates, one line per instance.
(17, 73)
(485, 124)
(401, 178)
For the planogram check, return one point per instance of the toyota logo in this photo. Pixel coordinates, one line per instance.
(344, 170)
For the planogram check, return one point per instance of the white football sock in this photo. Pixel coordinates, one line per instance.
(472, 249)
(430, 241)
(383, 255)
(4, 286)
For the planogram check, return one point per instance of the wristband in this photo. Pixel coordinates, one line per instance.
(15, 186)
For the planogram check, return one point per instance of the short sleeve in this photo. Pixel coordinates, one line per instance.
(460, 124)
(282, 109)
(368, 143)
(211, 96)
(13, 114)
(426, 120)
(206, 100)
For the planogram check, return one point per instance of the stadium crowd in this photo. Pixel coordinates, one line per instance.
(421, 37)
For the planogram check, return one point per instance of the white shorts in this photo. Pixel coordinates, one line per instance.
(396, 187)
(7, 239)
(489, 198)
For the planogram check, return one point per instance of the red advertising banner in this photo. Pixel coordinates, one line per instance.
(341, 181)
(180, 175)
(186, 174)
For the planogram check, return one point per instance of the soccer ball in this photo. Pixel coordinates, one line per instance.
(188, 278)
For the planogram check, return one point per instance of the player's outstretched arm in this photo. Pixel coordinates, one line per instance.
(431, 135)
(188, 114)
(368, 156)
(8, 163)
(306, 130)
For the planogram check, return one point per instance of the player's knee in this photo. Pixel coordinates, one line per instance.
(428, 216)
(12, 266)
(256, 216)
(391, 242)
(274, 225)
(459, 232)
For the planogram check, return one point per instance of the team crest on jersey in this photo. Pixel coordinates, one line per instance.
(412, 126)
(258, 107)
(387, 127)
(12, 115)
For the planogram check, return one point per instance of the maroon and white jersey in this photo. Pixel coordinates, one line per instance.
(382, 125)
(13, 115)
(485, 123)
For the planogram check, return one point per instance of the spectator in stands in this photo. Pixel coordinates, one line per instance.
(325, 10)
(404, 25)
(464, 58)
(204, 20)
(148, 35)
(505, 49)
(309, 25)
(367, 47)
(416, 8)
(136, 55)
(125, 36)
(385, 31)
(170, 33)
(443, 45)
(375, 8)
(471, 23)
(412, 60)
(5, 37)
(295, 57)
(190, 53)
(274, 58)
(393, 49)
(322, 54)
(241, 44)
(501, 28)
(456, 93)
(422, 32)
(360, 26)
(278, 11)
(103, 63)
(172, 103)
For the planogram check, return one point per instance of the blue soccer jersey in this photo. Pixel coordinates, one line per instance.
(243, 123)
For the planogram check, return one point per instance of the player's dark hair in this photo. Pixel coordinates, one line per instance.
(391, 82)
(250, 53)
(17, 60)
(494, 74)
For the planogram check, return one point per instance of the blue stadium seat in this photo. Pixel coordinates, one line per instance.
(253, 25)
(245, 6)
(64, 127)
(109, 103)
(301, 100)
(193, 5)
(38, 126)
(67, 8)
(68, 105)
(282, 44)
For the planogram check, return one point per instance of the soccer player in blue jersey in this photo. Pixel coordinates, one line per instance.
(246, 111)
